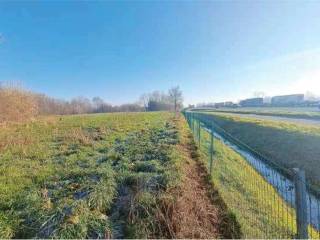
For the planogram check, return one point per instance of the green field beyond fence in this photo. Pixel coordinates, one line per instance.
(312, 113)
(268, 200)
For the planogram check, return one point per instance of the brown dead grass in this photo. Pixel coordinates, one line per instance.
(15, 141)
(79, 135)
(194, 215)
(197, 210)
(16, 105)
(84, 136)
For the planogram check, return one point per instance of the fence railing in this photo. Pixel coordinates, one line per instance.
(269, 201)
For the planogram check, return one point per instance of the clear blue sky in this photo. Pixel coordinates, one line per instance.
(215, 50)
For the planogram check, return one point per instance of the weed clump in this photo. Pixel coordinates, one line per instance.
(146, 162)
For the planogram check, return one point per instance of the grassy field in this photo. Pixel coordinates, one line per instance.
(311, 113)
(107, 175)
(90, 176)
(287, 144)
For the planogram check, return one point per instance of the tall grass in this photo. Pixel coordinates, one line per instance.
(17, 105)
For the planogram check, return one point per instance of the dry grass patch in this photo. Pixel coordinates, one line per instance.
(16, 105)
(197, 210)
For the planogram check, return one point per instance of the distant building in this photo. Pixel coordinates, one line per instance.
(287, 100)
(251, 102)
(219, 105)
(228, 104)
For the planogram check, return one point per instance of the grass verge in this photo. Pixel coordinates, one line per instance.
(259, 209)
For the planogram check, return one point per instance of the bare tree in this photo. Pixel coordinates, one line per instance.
(175, 95)
(144, 100)
(80, 105)
(98, 104)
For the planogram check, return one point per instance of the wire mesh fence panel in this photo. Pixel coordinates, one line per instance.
(260, 193)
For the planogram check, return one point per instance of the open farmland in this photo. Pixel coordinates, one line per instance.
(287, 144)
(102, 176)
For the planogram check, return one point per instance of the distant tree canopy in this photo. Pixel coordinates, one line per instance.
(160, 101)
(17, 104)
(81, 105)
(158, 106)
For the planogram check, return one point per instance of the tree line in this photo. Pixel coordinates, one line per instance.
(80, 105)
(17, 104)
(161, 101)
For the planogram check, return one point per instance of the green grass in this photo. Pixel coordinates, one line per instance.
(311, 113)
(89, 176)
(257, 206)
(287, 144)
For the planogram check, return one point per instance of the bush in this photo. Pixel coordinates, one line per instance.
(16, 105)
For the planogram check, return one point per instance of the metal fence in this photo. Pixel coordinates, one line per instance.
(269, 201)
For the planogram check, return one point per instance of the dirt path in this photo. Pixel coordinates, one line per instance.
(199, 211)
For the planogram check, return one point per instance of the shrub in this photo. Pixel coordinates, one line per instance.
(16, 105)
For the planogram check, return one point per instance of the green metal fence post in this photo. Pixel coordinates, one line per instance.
(199, 132)
(188, 118)
(193, 123)
(211, 150)
(301, 203)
